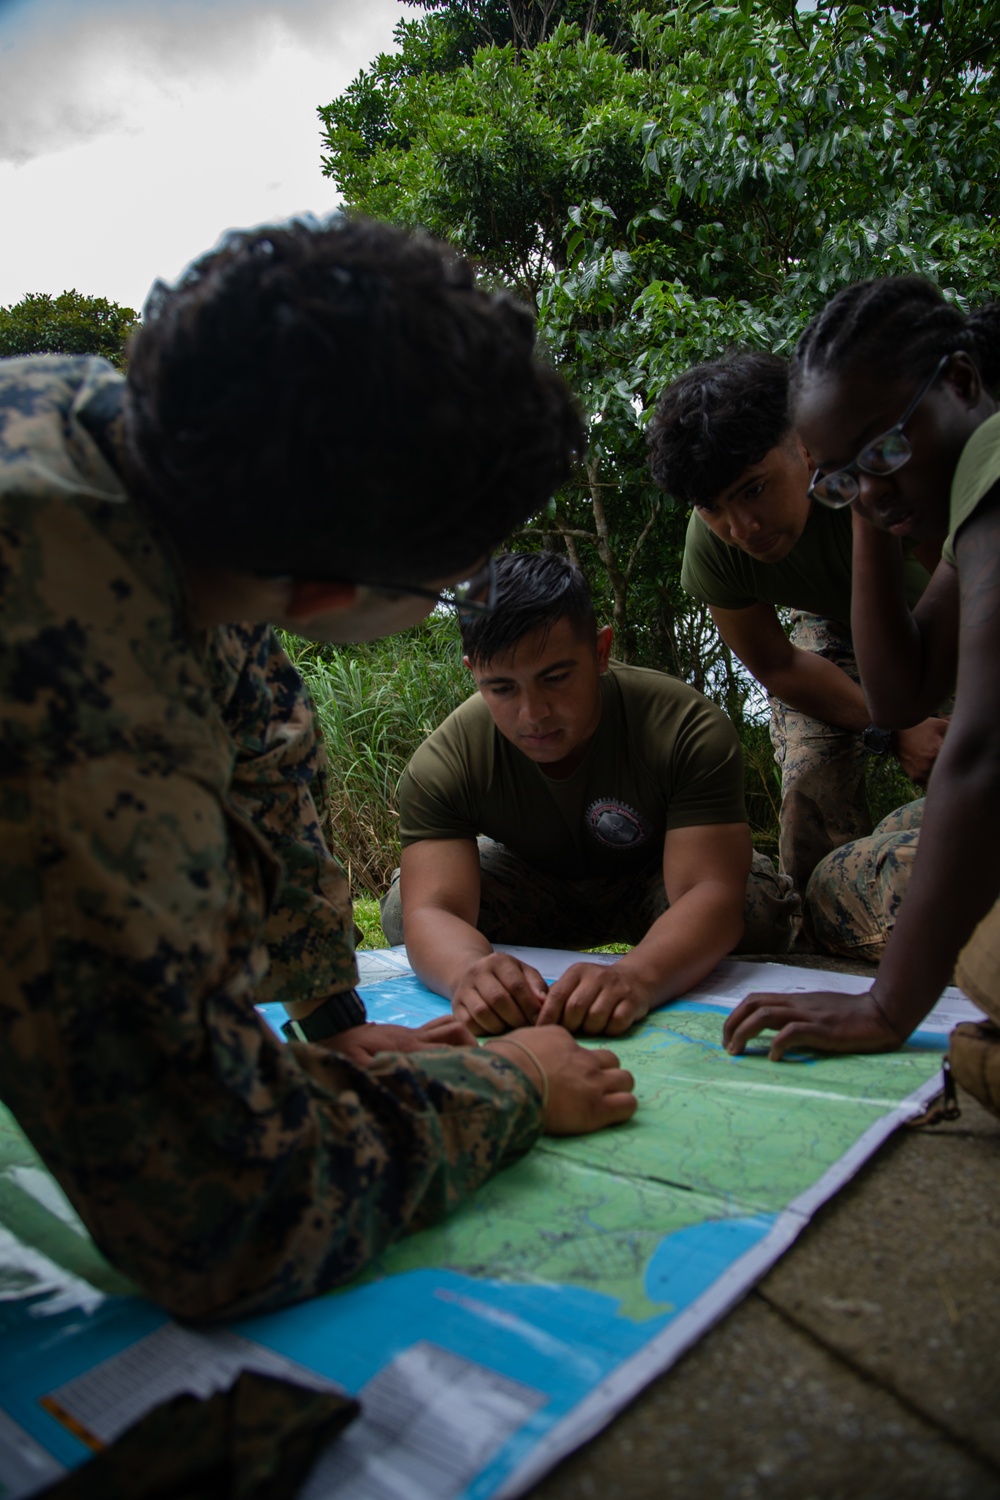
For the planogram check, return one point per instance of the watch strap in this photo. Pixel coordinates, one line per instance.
(337, 1013)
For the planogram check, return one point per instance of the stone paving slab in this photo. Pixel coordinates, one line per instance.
(900, 1276)
(761, 1411)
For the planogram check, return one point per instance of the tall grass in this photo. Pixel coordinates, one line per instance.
(378, 702)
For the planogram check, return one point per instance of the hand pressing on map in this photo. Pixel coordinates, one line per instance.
(583, 1088)
(361, 1044)
(596, 999)
(826, 1020)
(498, 992)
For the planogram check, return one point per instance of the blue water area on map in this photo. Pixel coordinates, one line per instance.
(561, 1340)
(514, 1328)
(687, 1262)
(42, 1351)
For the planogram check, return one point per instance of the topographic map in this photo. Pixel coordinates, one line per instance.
(485, 1348)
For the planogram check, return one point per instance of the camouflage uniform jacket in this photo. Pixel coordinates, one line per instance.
(222, 1171)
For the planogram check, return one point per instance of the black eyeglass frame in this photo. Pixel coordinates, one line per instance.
(850, 470)
(484, 578)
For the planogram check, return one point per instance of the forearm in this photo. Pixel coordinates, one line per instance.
(687, 942)
(263, 1174)
(812, 685)
(956, 879)
(442, 947)
(888, 642)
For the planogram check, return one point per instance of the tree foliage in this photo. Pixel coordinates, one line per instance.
(667, 181)
(68, 324)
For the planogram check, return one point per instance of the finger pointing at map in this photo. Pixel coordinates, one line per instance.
(826, 1020)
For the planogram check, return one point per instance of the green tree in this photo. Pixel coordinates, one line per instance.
(68, 324)
(690, 177)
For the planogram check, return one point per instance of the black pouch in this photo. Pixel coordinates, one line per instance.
(256, 1441)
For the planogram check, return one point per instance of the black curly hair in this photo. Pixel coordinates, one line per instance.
(902, 325)
(339, 400)
(716, 420)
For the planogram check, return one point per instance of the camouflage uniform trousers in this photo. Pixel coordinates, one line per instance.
(855, 893)
(520, 905)
(853, 900)
(823, 798)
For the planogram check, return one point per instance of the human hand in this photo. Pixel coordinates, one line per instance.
(498, 992)
(917, 749)
(363, 1043)
(595, 999)
(587, 1089)
(827, 1020)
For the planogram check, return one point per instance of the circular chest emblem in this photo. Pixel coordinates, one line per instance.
(616, 825)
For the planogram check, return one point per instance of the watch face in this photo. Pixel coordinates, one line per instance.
(876, 741)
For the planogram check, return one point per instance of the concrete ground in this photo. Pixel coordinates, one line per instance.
(864, 1366)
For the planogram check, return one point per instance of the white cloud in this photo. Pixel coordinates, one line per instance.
(130, 141)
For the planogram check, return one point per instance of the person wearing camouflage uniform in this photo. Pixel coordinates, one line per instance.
(721, 441)
(161, 860)
(605, 806)
(824, 801)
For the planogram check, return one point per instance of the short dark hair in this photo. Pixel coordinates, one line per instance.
(339, 400)
(715, 420)
(902, 324)
(535, 590)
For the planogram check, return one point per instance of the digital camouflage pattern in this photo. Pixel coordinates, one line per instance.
(855, 893)
(823, 798)
(220, 1170)
(853, 899)
(279, 783)
(522, 906)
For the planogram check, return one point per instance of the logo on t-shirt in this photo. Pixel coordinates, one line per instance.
(615, 824)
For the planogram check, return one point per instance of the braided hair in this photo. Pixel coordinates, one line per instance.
(899, 324)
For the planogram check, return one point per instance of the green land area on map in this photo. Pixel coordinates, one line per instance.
(715, 1138)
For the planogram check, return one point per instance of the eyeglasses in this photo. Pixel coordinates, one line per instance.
(883, 455)
(473, 596)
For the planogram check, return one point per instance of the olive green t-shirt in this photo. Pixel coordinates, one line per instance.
(815, 576)
(977, 472)
(663, 757)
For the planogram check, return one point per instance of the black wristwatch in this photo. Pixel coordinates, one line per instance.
(335, 1015)
(877, 741)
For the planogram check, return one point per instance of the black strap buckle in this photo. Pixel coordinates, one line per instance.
(943, 1105)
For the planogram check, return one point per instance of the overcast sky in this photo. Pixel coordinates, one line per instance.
(133, 132)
